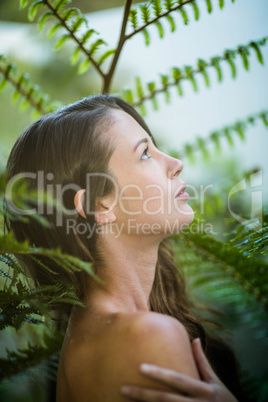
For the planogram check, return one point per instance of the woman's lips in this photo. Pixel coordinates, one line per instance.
(182, 195)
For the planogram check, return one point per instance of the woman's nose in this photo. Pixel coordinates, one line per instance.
(175, 167)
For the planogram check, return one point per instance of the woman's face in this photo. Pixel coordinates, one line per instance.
(149, 182)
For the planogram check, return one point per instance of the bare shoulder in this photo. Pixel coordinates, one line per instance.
(159, 339)
(96, 368)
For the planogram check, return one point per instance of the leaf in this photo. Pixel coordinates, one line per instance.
(145, 11)
(146, 36)
(83, 66)
(202, 64)
(54, 29)
(196, 11)
(60, 4)
(189, 152)
(233, 68)
(157, 7)
(177, 74)
(69, 12)
(264, 117)
(3, 84)
(160, 29)
(33, 9)
(244, 53)
(105, 55)
(77, 23)
(61, 41)
(43, 18)
(239, 128)
(190, 76)
(209, 6)
(128, 95)
(227, 134)
(215, 62)
(184, 16)
(75, 55)
(168, 4)
(15, 97)
(255, 46)
(133, 18)
(23, 3)
(164, 80)
(151, 86)
(139, 88)
(95, 46)
(221, 4)
(87, 35)
(201, 145)
(142, 110)
(215, 137)
(171, 22)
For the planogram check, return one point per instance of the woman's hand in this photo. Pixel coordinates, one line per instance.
(186, 389)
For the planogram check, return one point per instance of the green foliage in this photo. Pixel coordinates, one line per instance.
(226, 133)
(34, 355)
(29, 94)
(189, 73)
(73, 22)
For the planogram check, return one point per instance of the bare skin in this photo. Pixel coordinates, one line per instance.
(102, 352)
(106, 342)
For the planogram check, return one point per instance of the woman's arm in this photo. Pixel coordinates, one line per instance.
(185, 388)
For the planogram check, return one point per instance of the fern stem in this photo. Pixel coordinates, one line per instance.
(154, 20)
(122, 39)
(26, 94)
(80, 44)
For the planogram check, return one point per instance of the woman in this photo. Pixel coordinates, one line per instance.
(122, 199)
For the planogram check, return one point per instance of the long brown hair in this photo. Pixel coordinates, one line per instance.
(69, 143)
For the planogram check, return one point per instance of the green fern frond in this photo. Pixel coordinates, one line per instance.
(234, 264)
(227, 132)
(32, 356)
(23, 89)
(71, 20)
(215, 62)
(151, 12)
(252, 242)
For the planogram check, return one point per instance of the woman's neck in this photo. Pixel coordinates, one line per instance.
(128, 270)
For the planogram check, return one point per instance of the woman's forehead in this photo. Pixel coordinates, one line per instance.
(126, 130)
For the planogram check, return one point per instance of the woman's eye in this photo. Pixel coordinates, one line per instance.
(146, 154)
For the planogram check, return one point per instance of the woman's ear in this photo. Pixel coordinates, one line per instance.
(78, 202)
(104, 212)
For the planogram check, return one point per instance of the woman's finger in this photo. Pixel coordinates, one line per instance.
(180, 382)
(150, 395)
(205, 370)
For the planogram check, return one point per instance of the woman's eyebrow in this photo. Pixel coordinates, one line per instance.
(140, 142)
